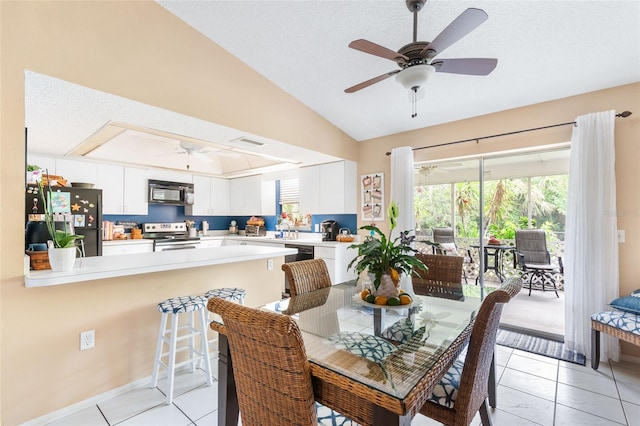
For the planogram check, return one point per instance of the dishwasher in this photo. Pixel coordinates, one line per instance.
(304, 253)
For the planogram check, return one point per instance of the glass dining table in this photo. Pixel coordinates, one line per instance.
(374, 364)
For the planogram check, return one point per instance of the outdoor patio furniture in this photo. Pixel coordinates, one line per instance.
(445, 238)
(533, 258)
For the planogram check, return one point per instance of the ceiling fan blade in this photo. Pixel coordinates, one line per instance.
(468, 66)
(377, 50)
(468, 21)
(370, 82)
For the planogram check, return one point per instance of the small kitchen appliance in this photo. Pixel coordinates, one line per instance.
(329, 230)
(255, 231)
(169, 236)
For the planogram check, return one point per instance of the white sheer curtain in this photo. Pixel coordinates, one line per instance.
(402, 188)
(591, 245)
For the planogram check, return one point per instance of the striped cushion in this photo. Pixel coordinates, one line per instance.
(446, 391)
(625, 321)
(178, 305)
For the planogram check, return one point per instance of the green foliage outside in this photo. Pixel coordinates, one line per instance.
(505, 206)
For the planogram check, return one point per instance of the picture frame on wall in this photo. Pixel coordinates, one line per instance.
(372, 197)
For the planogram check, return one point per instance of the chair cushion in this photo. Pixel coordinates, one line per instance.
(326, 416)
(367, 346)
(630, 303)
(400, 331)
(231, 294)
(544, 266)
(449, 248)
(625, 321)
(178, 305)
(446, 391)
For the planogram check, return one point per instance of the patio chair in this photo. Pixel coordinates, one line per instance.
(533, 258)
(306, 275)
(464, 388)
(270, 367)
(446, 245)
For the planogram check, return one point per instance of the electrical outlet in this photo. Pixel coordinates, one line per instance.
(269, 264)
(87, 339)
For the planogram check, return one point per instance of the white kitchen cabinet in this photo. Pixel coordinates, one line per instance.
(251, 196)
(124, 189)
(211, 197)
(114, 248)
(329, 188)
(77, 170)
(337, 259)
(170, 175)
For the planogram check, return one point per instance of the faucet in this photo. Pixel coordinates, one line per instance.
(288, 229)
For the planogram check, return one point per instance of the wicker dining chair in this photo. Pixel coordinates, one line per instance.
(464, 389)
(306, 275)
(270, 366)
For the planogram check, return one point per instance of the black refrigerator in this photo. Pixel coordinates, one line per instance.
(81, 206)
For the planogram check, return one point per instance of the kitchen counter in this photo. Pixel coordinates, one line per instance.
(126, 241)
(281, 241)
(95, 268)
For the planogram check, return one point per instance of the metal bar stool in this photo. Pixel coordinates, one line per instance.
(175, 307)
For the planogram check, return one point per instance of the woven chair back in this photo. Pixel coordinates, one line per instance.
(306, 275)
(270, 367)
(475, 374)
(532, 244)
(441, 268)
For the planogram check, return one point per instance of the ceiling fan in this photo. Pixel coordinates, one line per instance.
(417, 59)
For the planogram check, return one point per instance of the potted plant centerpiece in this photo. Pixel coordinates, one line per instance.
(386, 259)
(62, 246)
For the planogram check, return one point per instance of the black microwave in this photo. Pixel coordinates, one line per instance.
(173, 193)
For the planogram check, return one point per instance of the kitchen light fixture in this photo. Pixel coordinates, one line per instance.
(413, 78)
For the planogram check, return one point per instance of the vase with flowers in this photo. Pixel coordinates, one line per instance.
(386, 259)
(62, 246)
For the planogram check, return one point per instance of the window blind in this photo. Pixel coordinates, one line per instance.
(289, 191)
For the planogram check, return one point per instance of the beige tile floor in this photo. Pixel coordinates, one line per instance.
(532, 390)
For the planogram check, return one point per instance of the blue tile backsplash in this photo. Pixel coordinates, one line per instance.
(161, 213)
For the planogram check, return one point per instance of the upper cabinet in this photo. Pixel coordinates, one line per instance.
(252, 196)
(77, 170)
(170, 175)
(211, 197)
(124, 189)
(329, 188)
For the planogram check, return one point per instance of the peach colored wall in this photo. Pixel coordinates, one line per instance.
(627, 133)
(140, 51)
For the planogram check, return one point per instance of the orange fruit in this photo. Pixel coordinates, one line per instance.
(365, 293)
(401, 291)
(380, 300)
(405, 299)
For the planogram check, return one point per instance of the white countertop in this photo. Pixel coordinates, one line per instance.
(95, 268)
(281, 241)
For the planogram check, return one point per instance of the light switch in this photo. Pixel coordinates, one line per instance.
(621, 236)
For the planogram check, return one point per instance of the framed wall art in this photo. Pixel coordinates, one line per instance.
(372, 200)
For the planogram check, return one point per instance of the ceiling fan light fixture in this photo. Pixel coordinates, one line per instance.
(415, 76)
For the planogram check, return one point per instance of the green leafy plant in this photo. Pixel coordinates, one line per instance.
(379, 254)
(61, 238)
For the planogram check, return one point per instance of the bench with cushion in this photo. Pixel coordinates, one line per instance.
(623, 324)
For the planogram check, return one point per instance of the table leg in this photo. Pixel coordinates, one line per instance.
(228, 408)
(492, 382)
(378, 320)
(384, 417)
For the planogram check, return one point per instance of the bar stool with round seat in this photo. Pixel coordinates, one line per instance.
(174, 307)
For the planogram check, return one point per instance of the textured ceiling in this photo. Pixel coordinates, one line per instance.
(546, 50)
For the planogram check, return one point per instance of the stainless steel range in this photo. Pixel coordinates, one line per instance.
(169, 236)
